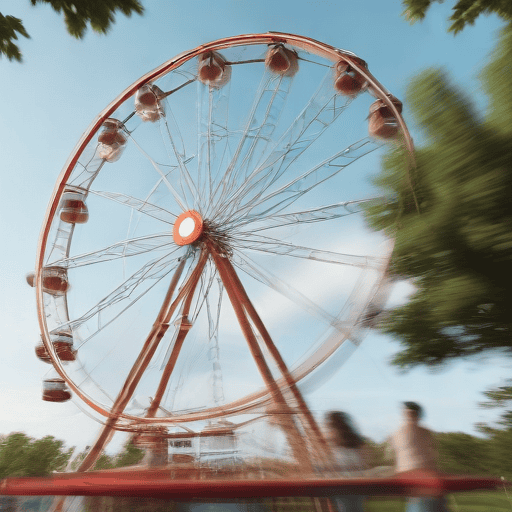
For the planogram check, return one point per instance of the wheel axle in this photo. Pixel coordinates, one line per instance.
(188, 228)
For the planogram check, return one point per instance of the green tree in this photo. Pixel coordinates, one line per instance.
(451, 217)
(129, 456)
(10, 28)
(104, 461)
(463, 454)
(465, 12)
(498, 397)
(21, 455)
(78, 15)
(500, 453)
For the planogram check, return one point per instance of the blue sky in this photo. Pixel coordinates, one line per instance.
(51, 99)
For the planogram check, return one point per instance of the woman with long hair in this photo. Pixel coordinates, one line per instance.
(350, 453)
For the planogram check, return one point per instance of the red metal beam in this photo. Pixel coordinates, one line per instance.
(139, 367)
(183, 331)
(319, 441)
(160, 484)
(295, 439)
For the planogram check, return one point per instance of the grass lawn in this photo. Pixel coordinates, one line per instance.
(478, 501)
(496, 501)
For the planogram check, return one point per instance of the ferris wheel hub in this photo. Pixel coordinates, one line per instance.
(188, 228)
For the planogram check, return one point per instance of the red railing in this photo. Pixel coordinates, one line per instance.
(159, 484)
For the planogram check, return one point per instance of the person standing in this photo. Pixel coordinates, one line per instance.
(414, 448)
(350, 454)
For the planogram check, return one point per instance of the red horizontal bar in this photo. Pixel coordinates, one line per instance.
(158, 484)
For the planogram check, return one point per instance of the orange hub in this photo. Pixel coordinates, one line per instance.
(187, 228)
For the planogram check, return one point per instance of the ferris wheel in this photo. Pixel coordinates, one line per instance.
(203, 251)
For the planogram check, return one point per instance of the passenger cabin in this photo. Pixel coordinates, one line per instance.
(112, 140)
(73, 208)
(382, 122)
(213, 70)
(62, 342)
(347, 80)
(42, 353)
(282, 61)
(55, 390)
(55, 280)
(147, 103)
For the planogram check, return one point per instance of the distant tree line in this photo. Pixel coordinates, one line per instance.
(459, 453)
(21, 455)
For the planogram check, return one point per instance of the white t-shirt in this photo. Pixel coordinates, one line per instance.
(414, 448)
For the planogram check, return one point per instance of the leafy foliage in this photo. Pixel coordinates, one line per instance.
(78, 15)
(100, 14)
(457, 249)
(10, 27)
(465, 12)
(501, 397)
(21, 455)
(129, 456)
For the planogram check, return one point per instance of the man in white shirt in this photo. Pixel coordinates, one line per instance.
(414, 447)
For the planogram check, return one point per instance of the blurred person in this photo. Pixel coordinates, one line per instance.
(350, 453)
(414, 448)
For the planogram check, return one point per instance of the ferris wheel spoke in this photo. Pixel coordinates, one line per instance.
(164, 176)
(260, 125)
(150, 274)
(274, 246)
(141, 205)
(309, 180)
(214, 317)
(88, 374)
(320, 112)
(189, 78)
(251, 268)
(126, 248)
(161, 179)
(89, 170)
(214, 351)
(205, 284)
(173, 142)
(212, 144)
(324, 213)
